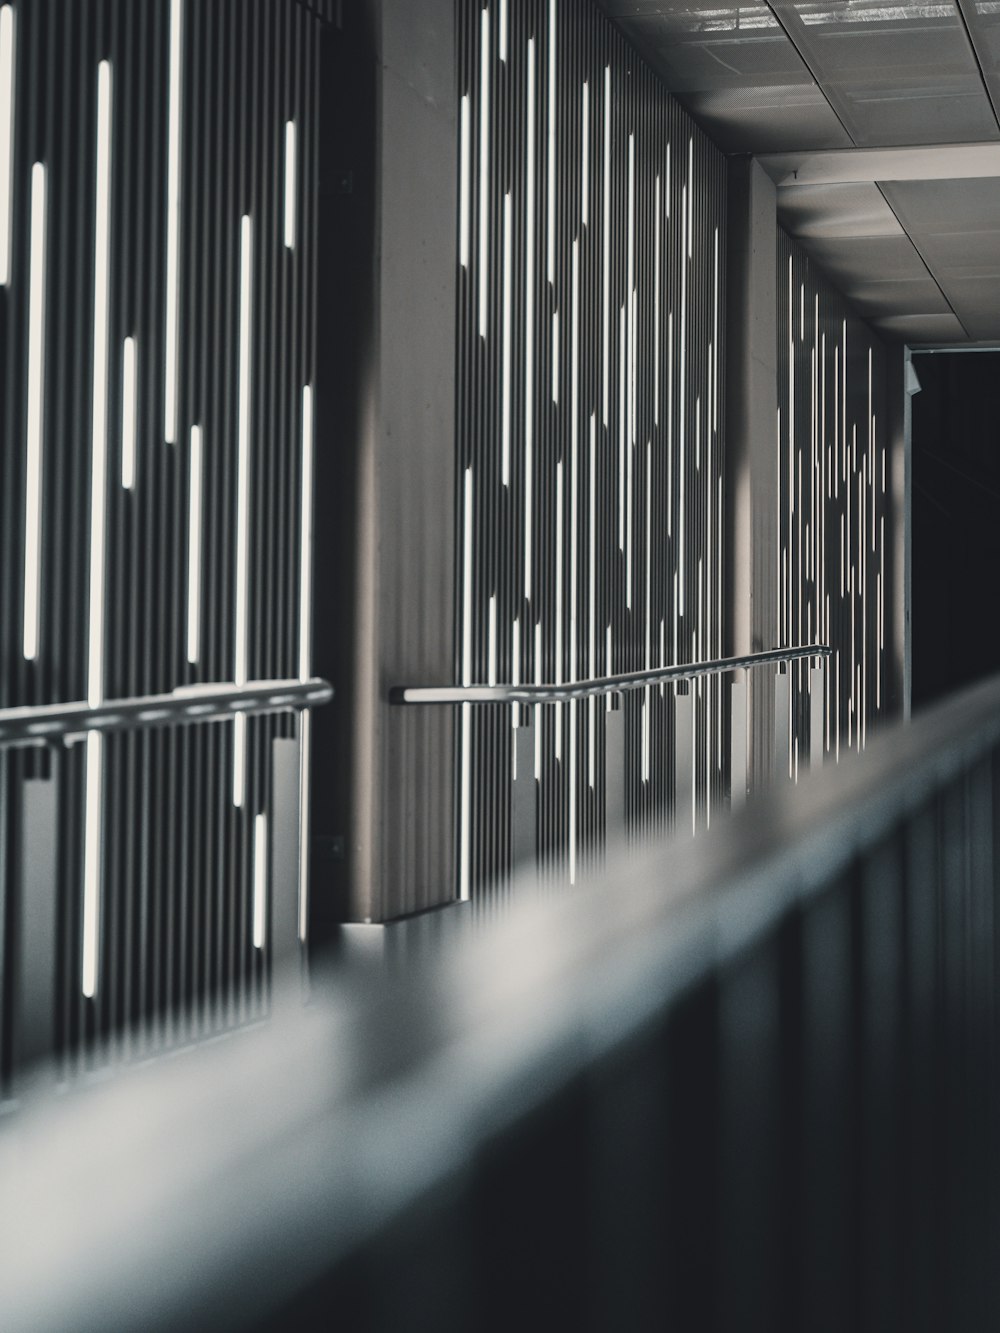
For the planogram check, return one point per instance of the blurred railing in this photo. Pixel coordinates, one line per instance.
(758, 1094)
(105, 958)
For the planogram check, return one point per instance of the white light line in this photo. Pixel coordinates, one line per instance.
(491, 659)
(240, 646)
(7, 51)
(622, 427)
(260, 878)
(305, 738)
(194, 547)
(463, 192)
(467, 581)
(503, 31)
(128, 413)
(99, 431)
(290, 185)
(35, 432)
(92, 858)
(508, 266)
(465, 872)
(306, 538)
(656, 303)
(529, 318)
(484, 169)
(606, 245)
(585, 163)
(173, 224)
(550, 213)
(560, 528)
(555, 356)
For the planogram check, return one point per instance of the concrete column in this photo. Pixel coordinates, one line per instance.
(751, 426)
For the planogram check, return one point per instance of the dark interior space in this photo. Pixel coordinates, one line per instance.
(956, 521)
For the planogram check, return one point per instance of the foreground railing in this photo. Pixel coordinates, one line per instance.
(744, 1082)
(152, 869)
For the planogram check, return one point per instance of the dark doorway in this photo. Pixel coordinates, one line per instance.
(956, 521)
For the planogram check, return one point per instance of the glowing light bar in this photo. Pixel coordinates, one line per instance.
(550, 215)
(585, 156)
(99, 433)
(128, 413)
(260, 878)
(529, 318)
(305, 738)
(34, 438)
(194, 546)
(463, 193)
(7, 47)
(173, 223)
(306, 537)
(240, 644)
(92, 859)
(484, 170)
(290, 186)
(508, 228)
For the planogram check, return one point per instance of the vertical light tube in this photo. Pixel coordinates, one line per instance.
(555, 356)
(305, 743)
(240, 643)
(508, 229)
(656, 302)
(290, 184)
(260, 878)
(128, 413)
(94, 774)
(306, 537)
(194, 547)
(7, 49)
(35, 432)
(550, 211)
(93, 782)
(529, 317)
(173, 224)
(503, 31)
(559, 601)
(99, 423)
(463, 191)
(606, 246)
(484, 167)
(585, 156)
(465, 819)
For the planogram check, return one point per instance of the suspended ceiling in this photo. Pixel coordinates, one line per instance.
(878, 122)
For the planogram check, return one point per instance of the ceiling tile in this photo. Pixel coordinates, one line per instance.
(836, 211)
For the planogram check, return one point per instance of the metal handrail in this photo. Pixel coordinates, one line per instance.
(583, 689)
(40, 724)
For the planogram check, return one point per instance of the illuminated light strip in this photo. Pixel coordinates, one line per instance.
(240, 634)
(592, 596)
(128, 413)
(306, 537)
(290, 185)
(91, 933)
(656, 302)
(645, 735)
(35, 423)
(555, 356)
(715, 337)
(508, 228)
(516, 680)
(538, 714)
(572, 780)
(550, 212)
(682, 406)
(621, 429)
(529, 320)
(484, 170)
(260, 879)
(466, 777)
(574, 551)
(170, 338)
(558, 674)
(7, 104)
(503, 31)
(491, 641)
(305, 745)
(649, 551)
(585, 157)
(606, 248)
(463, 189)
(670, 423)
(94, 775)
(194, 547)
(99, 420)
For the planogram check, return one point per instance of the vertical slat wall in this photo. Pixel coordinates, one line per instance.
(834, 540)
(590, 426)
(156, 322)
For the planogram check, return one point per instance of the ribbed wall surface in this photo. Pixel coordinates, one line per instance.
(157, 352)
(834, 543)
(591, 309)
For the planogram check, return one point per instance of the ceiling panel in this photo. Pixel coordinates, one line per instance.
(908, 296)
(852, 262)
(896, 73)
(921, 329)
(736, 72)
